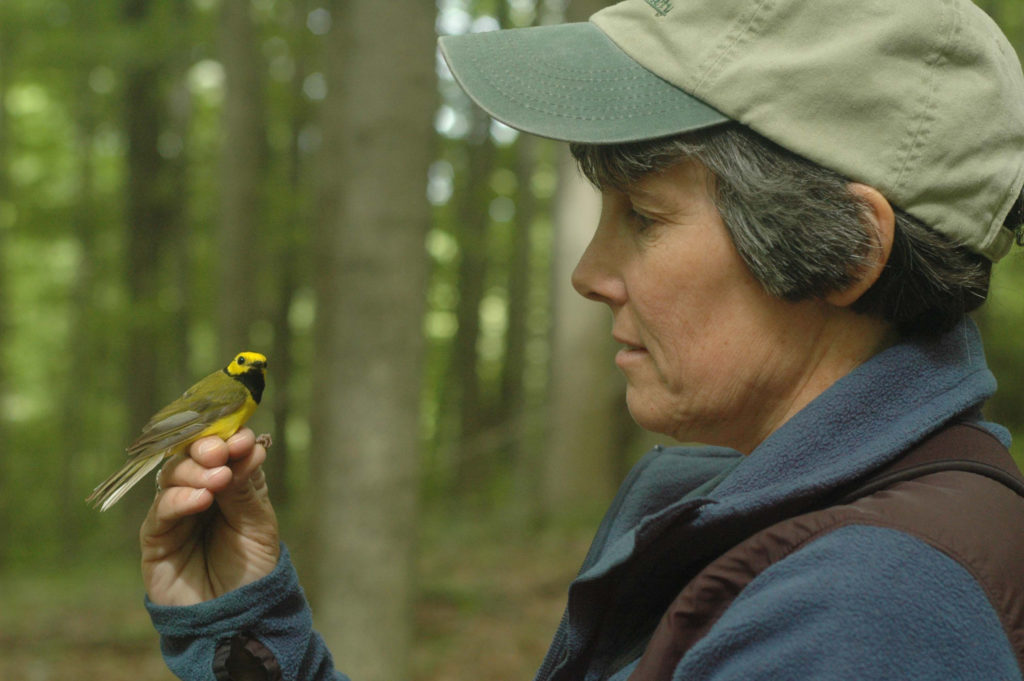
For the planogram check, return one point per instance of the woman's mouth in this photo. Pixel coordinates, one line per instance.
(630, 352)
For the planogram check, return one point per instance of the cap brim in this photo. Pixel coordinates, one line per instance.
(570, 82)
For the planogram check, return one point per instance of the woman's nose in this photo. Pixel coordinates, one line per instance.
(597, 275)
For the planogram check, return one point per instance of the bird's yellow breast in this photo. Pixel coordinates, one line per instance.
(228, 425)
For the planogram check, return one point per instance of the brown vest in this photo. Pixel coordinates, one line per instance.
(961, 467)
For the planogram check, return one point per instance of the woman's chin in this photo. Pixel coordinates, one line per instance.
(648, 416)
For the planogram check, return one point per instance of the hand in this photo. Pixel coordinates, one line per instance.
(211, 528)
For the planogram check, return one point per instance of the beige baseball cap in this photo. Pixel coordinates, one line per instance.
(921, 99)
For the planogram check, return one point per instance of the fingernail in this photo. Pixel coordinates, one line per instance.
(212, 472)
(206, 447)
(238, 435)
(196, 493)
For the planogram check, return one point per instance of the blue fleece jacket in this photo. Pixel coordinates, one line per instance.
(860, 603)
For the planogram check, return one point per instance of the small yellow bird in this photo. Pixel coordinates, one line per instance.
(218, 405)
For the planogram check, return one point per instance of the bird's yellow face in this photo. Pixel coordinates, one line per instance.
(245, 362)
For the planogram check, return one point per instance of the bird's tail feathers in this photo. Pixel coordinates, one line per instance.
(108, 492)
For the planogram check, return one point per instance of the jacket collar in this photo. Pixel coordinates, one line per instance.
(863, 421)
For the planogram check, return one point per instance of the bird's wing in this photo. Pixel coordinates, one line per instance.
(201, 405)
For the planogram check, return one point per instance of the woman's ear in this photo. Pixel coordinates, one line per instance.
(879, 218)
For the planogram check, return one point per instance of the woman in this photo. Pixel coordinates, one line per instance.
(800, 203)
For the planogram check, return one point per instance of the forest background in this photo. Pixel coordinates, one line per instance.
(181, 180)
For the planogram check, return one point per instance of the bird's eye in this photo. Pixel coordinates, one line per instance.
(241, 360)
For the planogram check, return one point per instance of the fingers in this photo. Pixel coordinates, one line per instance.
(245, 502)
(248, 484)
(245, 455)
(241, 443)
(209, 452)
(179, 502)
(213, 451)
(229, 471)
(165, 516)
(244, 467)
(186, 472)
(216, 490)
(186, 484)
(211, 462)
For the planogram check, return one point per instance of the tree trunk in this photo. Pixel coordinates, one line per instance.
(242, 164)
(585, 449)
(586, 391)
(370, 274)
(150, 214)
(74, 409)
(5, 504)
(290, 245)
(180, 292)
(514, 365)
(463, 394)
(522, 407)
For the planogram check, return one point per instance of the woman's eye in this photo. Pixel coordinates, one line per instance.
(642, 222)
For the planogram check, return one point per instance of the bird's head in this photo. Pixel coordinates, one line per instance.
(246, 362)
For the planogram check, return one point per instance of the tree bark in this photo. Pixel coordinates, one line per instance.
(5, 504)
(522, 407)
(370, 275)
(289, 263)
(586, 391)
(177, 167)
(243, 159)
(81, 330)
(588, 427)
(151, 213)
(463, 394)
(519, 269)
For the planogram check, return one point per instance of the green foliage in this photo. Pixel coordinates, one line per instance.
(68, 321)
(65, 297)
(1004, 312)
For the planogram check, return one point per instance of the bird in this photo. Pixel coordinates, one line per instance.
(218, 405)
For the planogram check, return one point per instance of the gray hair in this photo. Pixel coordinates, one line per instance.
(801, 231)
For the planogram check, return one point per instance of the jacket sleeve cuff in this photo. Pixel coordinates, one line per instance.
(271, 611)
(245, 659)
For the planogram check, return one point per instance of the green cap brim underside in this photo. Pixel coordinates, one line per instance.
(570, 82)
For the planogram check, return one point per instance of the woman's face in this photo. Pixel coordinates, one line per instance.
(708, 356)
